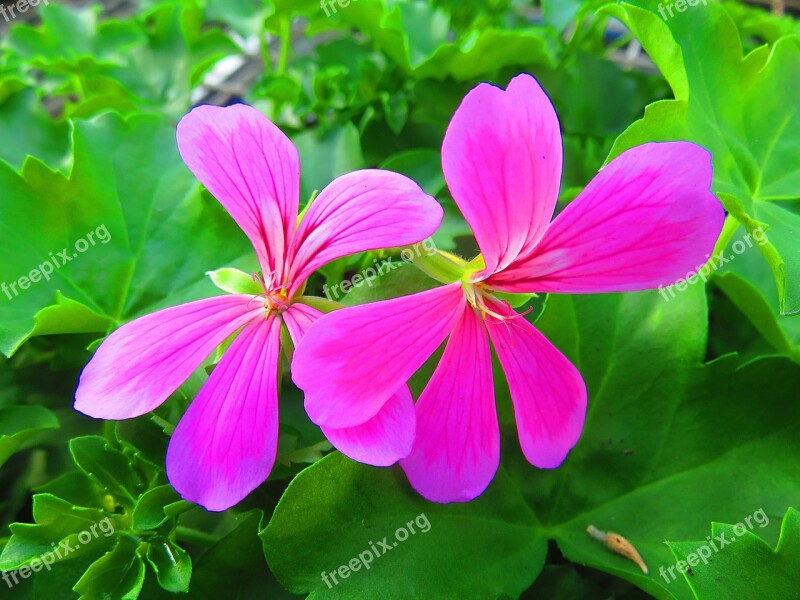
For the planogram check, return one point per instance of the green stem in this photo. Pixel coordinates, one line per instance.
(286, 41)
(728, 230)
(168, 427)
(194, 536)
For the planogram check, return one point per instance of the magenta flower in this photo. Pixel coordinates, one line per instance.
(225, 444)
(645, 220)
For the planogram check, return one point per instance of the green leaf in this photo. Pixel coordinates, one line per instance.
(415, 35)
(126, 233)
(395, 278)
(119, 574)
(335, 512)
(20, 423)
(151, 61)
(421, 165)
(246, 17)
(659, 427)
(107, 466)
(172, 565)
(235, 568)
(23, 116)
(740, 562)
(749, 130)
(324, 156)
(156, 506)
(55, 534)
(78, 489)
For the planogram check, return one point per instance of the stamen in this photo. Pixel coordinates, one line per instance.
(275, 298)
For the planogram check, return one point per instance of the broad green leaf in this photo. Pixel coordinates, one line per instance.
(750, 129)
(560, 13)
(353, 514)
(421, 165)
(393, 278)
(324, 156)
(740, 563)
(22, 116)
(20, 423)
(235, 568)
(124, 234)
(246, 17)
(661, 425)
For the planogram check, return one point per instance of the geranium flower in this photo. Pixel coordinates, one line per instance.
(225, 444)
(645, 220)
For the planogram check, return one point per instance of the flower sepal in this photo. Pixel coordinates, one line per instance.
(235, 281)
(441, 266)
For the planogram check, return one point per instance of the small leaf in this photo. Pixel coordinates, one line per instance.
(172, 565)
(20, 423)
(119, 574)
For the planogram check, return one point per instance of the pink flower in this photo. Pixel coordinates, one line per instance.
(225, 444)
(645, 220)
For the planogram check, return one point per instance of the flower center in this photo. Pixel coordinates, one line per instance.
(480, 297)
(276, 295)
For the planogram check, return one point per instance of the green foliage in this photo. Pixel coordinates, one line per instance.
(692, 402)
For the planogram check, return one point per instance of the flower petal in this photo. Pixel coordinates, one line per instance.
(502, 161)
(457, 450)
(225, 445)
(360, 211)
(382, 440)
(298, 319)
(353, 360)
(139, 365)
(385, 438)
(646, 220)
(547, 391)
(252, 168)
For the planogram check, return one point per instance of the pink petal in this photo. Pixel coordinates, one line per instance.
(547, 391)
(298, 319)
(225, 445)
(360, 211)
(385, 438)
(382, 440)
(139, 365)
(252, 168)
(646, 220)
(502, 161)
(353, 360)
(457, 449)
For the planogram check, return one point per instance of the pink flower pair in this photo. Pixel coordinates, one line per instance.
(644, 221)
